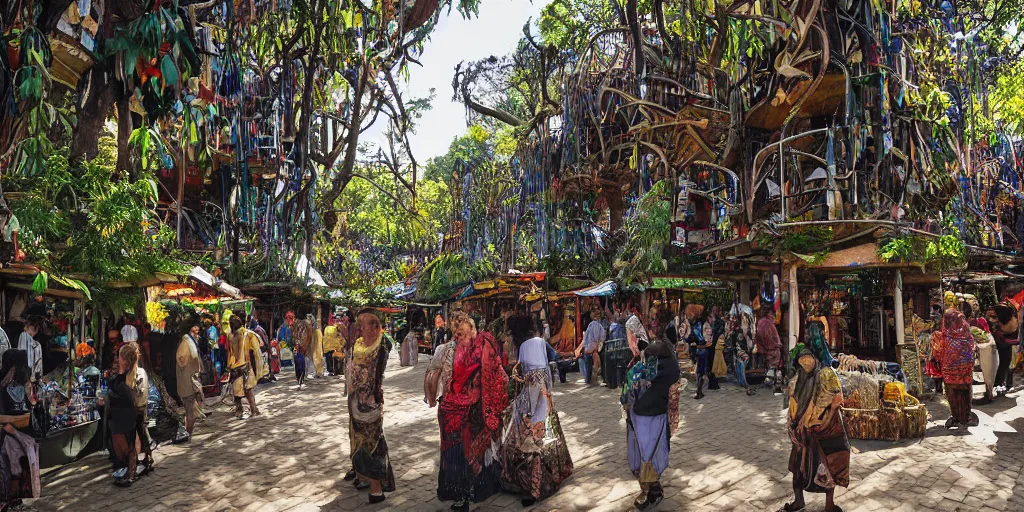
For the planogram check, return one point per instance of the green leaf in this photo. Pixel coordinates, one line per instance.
(169, 70)
(40, 283)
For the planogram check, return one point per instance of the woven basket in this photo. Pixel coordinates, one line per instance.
(874, 424)
(915, 419)
(861, 423)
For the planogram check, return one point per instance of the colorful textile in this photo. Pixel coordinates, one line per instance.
(954, 349)
(470, 420)
(369, 448)
(302, 335)
(820, 456)
(959, 397)
(535, 458)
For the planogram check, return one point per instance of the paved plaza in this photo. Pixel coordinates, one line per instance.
(730, 453)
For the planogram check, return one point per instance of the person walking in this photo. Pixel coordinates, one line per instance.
(1005, 330)
(820, 456)
(586, 353)
(187, 369)
(534, 456)
(953, 346)
(333, 347)
(470, 417)
(652, 414)
(369, 448)
(302, 333)
(123, 415)
(244, 374)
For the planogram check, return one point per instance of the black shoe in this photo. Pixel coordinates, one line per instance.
(351, 475)
(123, 482)
(374, 499)
(527, 502)
(654, 498)
(462, 506)
(360, 485)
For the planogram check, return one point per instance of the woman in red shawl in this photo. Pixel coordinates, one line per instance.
(470, 417)
(953, 347)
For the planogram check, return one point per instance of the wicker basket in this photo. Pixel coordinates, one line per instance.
(883, 424)
(915, 419)
(861, 423)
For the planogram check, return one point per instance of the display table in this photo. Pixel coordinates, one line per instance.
(66, 445)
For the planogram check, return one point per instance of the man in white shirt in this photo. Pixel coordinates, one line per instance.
(32, 348)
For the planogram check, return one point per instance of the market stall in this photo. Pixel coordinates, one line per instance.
(65, 418)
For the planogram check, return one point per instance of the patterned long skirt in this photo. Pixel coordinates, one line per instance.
(535, 458)
(457, 480)
(369, 447)
(820, 457)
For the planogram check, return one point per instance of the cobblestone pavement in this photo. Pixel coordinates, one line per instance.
(730, 453)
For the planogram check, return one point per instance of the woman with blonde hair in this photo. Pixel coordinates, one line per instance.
(470, 417)
(123, 423)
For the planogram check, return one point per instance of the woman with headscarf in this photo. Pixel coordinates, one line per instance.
(820, 457)
(470, 417)
(369, 450)
(535, 458)
(953, 346)
(650, 400)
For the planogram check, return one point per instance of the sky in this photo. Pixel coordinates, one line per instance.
(495, 32)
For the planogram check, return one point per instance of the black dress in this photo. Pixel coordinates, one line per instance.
(122, 408)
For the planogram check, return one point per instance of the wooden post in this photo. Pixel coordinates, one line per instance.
(897, 306)
(579, 319)
(794, 308)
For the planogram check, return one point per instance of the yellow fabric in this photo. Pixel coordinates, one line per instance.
(240, 346)
(332, 339)
(362, 354)
(316, 352)
(825, 402)
(719, 367)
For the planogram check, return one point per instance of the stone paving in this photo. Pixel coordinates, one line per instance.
(729, 453)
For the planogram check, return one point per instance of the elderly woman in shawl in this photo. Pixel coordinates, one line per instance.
(953, 348)
(535, 458)
(369, 448)
(650, 399)
(820, 457)
(470, 417)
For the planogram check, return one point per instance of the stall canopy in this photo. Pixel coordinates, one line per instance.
(605, 289)
(201, 275)
(666, 283)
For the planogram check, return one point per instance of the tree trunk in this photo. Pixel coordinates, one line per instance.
(92, 114)
(616, 208)
(124, 134)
